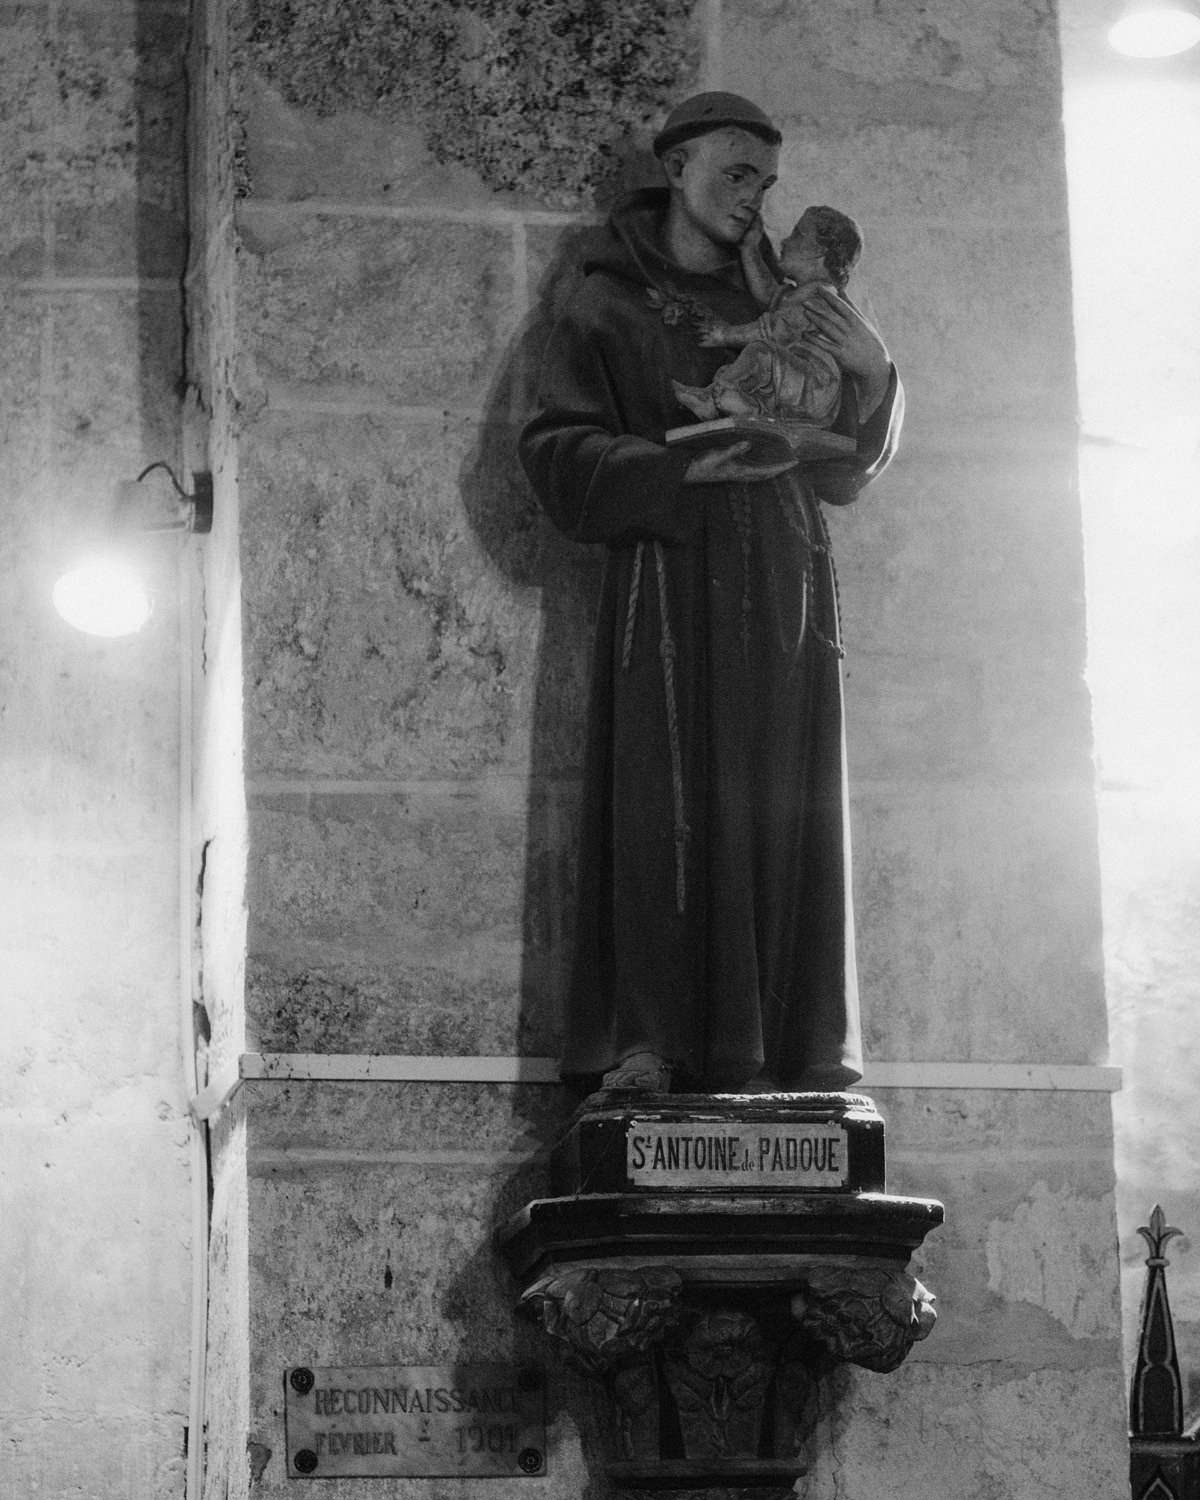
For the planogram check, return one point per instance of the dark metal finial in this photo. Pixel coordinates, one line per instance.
(1156, 1234)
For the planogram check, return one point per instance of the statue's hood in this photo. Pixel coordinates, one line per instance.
(635, 250)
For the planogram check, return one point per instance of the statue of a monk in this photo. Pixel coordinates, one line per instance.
(715, 946)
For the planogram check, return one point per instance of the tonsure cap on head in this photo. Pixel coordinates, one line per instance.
(704, 112)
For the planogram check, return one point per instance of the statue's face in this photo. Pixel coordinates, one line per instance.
(719, 182)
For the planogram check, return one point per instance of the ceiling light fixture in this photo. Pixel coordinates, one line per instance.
(1161, 29)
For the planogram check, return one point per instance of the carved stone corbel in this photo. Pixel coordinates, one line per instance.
(694, 1269)
(602, 1315)
(864, 1315)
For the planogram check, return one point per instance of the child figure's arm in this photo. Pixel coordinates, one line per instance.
(784, 322)
(762, 285)
(760, 282)
(730, 335)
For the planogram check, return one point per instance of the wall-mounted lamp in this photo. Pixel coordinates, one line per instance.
(1156, 28)
(105, 593)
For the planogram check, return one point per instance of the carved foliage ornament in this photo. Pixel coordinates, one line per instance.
(703, 1394)
(603, 1316)
(690, 1383)
(719, 1377)
(869, 1317)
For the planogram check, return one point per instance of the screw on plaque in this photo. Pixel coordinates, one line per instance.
(305, 1461)
(302, 1380)
(529, 1460)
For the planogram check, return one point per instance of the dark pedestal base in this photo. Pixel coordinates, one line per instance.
(708, 1259)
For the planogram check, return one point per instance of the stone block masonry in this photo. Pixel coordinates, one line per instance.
(414, 645)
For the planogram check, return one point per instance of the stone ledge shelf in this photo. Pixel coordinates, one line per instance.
(708, 1260)
(384, 1067)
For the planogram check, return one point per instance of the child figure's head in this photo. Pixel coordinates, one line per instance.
(824, 245)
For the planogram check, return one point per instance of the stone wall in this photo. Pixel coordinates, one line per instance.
(415, 644)
(1135, 236)
(94, 1215)
(220, 793)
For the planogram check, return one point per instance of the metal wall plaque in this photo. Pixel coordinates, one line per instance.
(414, 1421)
(759, 1157)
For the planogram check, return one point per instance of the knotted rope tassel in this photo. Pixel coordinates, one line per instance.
(635, 589)
(666, 648)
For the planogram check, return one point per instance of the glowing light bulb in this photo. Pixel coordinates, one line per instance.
(103, 595)
(1155, 31)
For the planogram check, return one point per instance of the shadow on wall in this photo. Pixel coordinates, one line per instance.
(479, 1304)
(531, 554)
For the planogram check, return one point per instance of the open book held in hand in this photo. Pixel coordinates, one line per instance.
(773, 440)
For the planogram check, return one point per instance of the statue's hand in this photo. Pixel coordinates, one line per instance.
(714, 335)
(726, 466)
(843, 330)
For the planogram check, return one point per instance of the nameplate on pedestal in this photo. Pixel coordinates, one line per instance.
(724, 1144)
(759, 1156)
(414, 1421)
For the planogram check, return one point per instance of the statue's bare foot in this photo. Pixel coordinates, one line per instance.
(644, 1071)
(697, 400)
